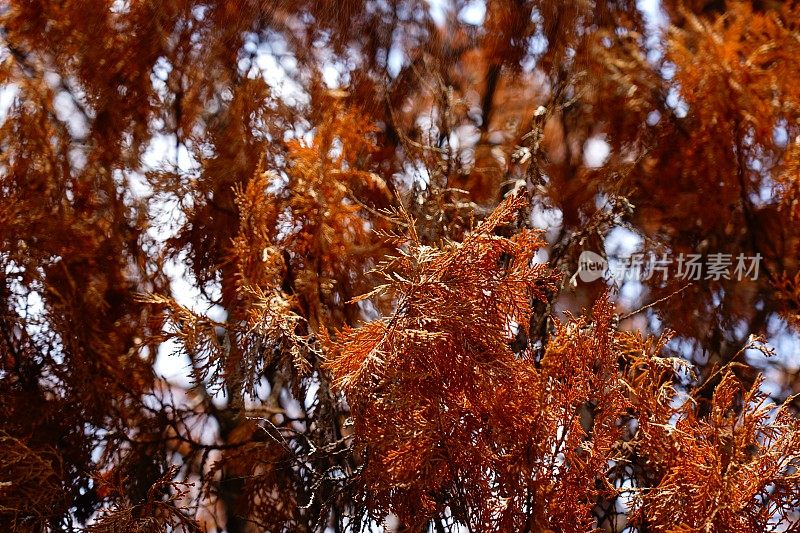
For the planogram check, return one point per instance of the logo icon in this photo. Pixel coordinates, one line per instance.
(591, 266)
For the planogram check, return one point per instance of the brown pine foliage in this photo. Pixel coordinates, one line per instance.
(314, 266)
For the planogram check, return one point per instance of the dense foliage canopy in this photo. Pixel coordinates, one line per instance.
(315, 265)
